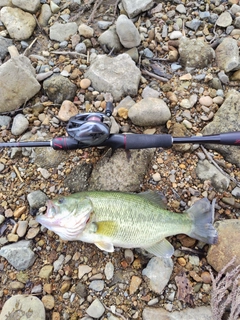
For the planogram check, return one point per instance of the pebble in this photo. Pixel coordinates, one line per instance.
(127, 32)
(156, 177)
(85, 31)
(67, 110)
(46, 271)
(22, 228)
(134, 284)
(48, 301)
(61, 32)
(158, 272)
(16, 285)
(109, 270)
(97, 285)
(83, 269)
(96, 309)
(20, 124)
(85, 83)
(206, 101)
(224, 20)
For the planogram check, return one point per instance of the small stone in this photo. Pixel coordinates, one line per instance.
(85, 83)
(20, 124)
(65, 286)
(206, 277)
(32, 232)
(12, 237)
(82, 270)
(46, 272)
(97, 285)
(206, 101)
(224, 19)
(48, 301)
(85, 31)
(47, 287)
(96, 309)
(18, 212)
(129, 256)
(109, 270)
(181, 261)
(156, 177)
(67, 110)
(134, 284)
(22, 228)
(123, 113)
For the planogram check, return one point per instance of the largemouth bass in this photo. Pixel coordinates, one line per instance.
(125, 220)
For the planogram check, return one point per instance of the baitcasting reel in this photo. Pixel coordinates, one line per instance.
(91, 129)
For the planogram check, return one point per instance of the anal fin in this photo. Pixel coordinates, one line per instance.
(161, 249)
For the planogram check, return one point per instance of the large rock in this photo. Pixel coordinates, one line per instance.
(118, 75)
(226, 119)
(195, 53)
(227, 55)
(122, 172)
(135, 7)
(19, 24)
(127, 32)
(19, 254)
(23, 307)
(227, 246)
(149, 112)
(13, 74)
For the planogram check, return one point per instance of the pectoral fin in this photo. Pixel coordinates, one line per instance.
(161, 249)
(105, 246)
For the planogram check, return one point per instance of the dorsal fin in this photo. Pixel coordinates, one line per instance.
(154, 197)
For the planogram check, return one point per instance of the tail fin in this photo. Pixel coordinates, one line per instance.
(202, 214)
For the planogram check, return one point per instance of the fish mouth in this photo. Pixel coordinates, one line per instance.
(51, 209)
(47, 218)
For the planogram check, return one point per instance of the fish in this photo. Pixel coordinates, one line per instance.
(112, 219)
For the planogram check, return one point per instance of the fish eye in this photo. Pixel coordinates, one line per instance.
(61, 200)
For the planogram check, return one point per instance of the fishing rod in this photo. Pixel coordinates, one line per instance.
(93, 129)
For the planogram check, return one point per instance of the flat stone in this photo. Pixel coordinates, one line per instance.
(19, 254)
(123, 81)
(19, 24)
(13, 74)
(158, 273)
(25, 306)
(135, 7)
(46, 271)
(221, 253)
(60, 32)
(200, 313)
